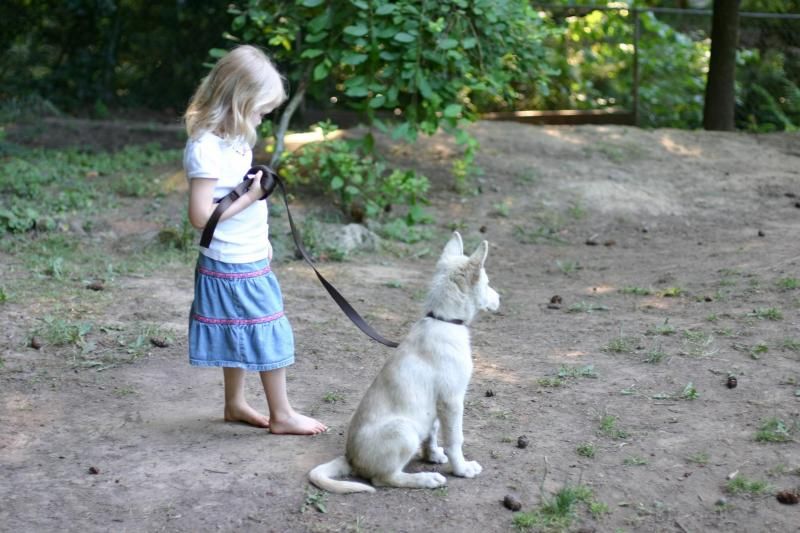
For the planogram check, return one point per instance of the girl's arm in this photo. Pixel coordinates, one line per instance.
(201, 200)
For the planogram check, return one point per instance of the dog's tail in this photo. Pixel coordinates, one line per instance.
(322, 474)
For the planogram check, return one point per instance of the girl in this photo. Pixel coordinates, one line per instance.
(237, 319)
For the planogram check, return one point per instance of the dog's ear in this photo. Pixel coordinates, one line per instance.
(478, 257)
(454, 247)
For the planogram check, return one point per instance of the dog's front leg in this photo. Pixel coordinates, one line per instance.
(451, 414)
(431, 451)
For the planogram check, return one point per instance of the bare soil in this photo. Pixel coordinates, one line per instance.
(707, 224)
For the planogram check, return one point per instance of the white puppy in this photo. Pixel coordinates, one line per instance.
(420, 387)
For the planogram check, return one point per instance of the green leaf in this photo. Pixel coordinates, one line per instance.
(311, 3)
(337, 183)
(311, 53)
(452, 111)
(377, 102)
(404, 37)
(359, 91)
(353, 58)
(321, 71)
(447, 44)
(357, 31)
(386, 9)
(469, 42)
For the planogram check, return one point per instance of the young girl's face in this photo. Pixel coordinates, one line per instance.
(258, 114)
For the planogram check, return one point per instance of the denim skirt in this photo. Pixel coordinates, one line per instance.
(237, 317)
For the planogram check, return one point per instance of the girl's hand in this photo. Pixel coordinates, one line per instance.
(269, 251)
(255, 190)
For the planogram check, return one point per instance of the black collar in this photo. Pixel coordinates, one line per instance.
(456, 321)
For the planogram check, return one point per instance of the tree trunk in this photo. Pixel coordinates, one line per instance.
(720, 101)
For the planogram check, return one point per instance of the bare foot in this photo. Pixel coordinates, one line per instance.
(297, 424)
(246, 415)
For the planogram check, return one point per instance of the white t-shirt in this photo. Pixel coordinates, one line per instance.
(242, 238)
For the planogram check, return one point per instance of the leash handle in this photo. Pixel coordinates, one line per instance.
(269, 180)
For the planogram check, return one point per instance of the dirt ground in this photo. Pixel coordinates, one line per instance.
(668, 256)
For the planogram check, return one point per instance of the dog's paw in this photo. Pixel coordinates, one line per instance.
(469, 469)
(436, 455)
(431, 480)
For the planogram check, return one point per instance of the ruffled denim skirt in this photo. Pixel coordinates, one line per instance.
(237, 317)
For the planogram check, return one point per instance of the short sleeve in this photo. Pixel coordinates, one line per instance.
(203, 158)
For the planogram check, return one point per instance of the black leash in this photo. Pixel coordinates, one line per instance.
(269, 179)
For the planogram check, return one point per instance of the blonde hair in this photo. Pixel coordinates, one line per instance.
(241, 82)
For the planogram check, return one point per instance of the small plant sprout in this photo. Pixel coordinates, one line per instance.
(671, 292)
(689, 392)
(586, 449)
(742, 485)
(634, 460)
(315, 499)
(662, 329)
(700, 458)
(567, 267)
(501, 209)
(788, 284)
(766, 313)
(621, 344)
(655, 355)
(332, 397)
(556, 513)
(608, 427)
(636, 291)
(791, 344)
(773, 430)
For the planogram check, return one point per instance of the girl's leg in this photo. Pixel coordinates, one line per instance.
(236, 407)
(284, 419)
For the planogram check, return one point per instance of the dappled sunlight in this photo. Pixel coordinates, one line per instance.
(679, 149)
(600, 289)
(657, 303)
(562, 135)
(492, 371)
(20, 416)
(571, 355)
(293, 141)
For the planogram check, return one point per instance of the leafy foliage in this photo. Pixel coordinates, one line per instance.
(362, 187)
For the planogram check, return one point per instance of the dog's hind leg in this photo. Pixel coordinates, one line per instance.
(431, 451)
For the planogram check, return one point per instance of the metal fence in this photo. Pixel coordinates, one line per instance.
(636, 43)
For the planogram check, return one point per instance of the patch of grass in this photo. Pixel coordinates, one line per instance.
(621, 344)
(742, 485)
(556, 513)
(634, 460)
(393, 284)
(586, 307)
(529, 177)
(61, 332)
(501, 209)
(608, 427)
(567, 267)
(788, 284)
(637, 291)
(586, 449)
(766, 313)
(537, 235)
(671, 292)
(549, 382)
(774, 430)
(122, 392)
(655, 355)
(791, 344)
(689, 392)
(698, 343)
(586, 371)
(700, 458)
(3, 295)
(315, 499)
(662, 329)
(332, 397)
